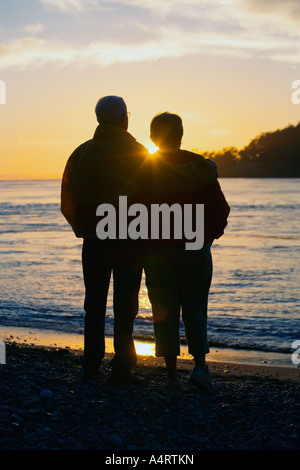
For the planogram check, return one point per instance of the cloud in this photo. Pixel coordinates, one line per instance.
(156, 5)
(288, 8)
(34, 52)
(44, 143)
(20, 53)
(275, 17)
(33, 29)
(189, 28)
(219, 132)
(195, 116)
(71, 5)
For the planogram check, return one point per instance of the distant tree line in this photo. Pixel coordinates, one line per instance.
(271, 155)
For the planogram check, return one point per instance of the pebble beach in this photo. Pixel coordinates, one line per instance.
(46, 404)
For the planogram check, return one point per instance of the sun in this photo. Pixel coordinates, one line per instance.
(151, 147)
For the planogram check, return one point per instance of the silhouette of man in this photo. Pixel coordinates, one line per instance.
(99, 171)
(178, 278)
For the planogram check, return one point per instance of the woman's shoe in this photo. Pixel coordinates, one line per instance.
(201, 379)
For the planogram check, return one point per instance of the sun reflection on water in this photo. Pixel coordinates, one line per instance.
(144, 349)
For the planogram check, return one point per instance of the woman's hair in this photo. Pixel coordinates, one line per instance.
(166, 129)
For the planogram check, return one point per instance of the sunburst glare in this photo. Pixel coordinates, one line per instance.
(151, 147)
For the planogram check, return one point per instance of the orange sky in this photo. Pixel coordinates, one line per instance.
(226, 67)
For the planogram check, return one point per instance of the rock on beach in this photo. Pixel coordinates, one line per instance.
(45, 404)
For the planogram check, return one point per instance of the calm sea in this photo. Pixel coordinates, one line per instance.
(254, 299)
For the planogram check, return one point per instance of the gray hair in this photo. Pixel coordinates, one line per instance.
(110, 109)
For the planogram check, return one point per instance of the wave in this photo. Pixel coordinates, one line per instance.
(34, 228)
(29, 207)
(265, 207)
(7, 208)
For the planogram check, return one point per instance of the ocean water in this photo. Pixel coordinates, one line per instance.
(254, 299)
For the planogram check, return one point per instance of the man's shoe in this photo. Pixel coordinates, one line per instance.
(91, 373)
(125, 377)
(175, 385)
(201, 379)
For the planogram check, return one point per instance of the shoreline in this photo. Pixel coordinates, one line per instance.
(144, 347)
(224, 362)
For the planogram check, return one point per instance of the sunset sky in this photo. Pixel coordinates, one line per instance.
(225, 66)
